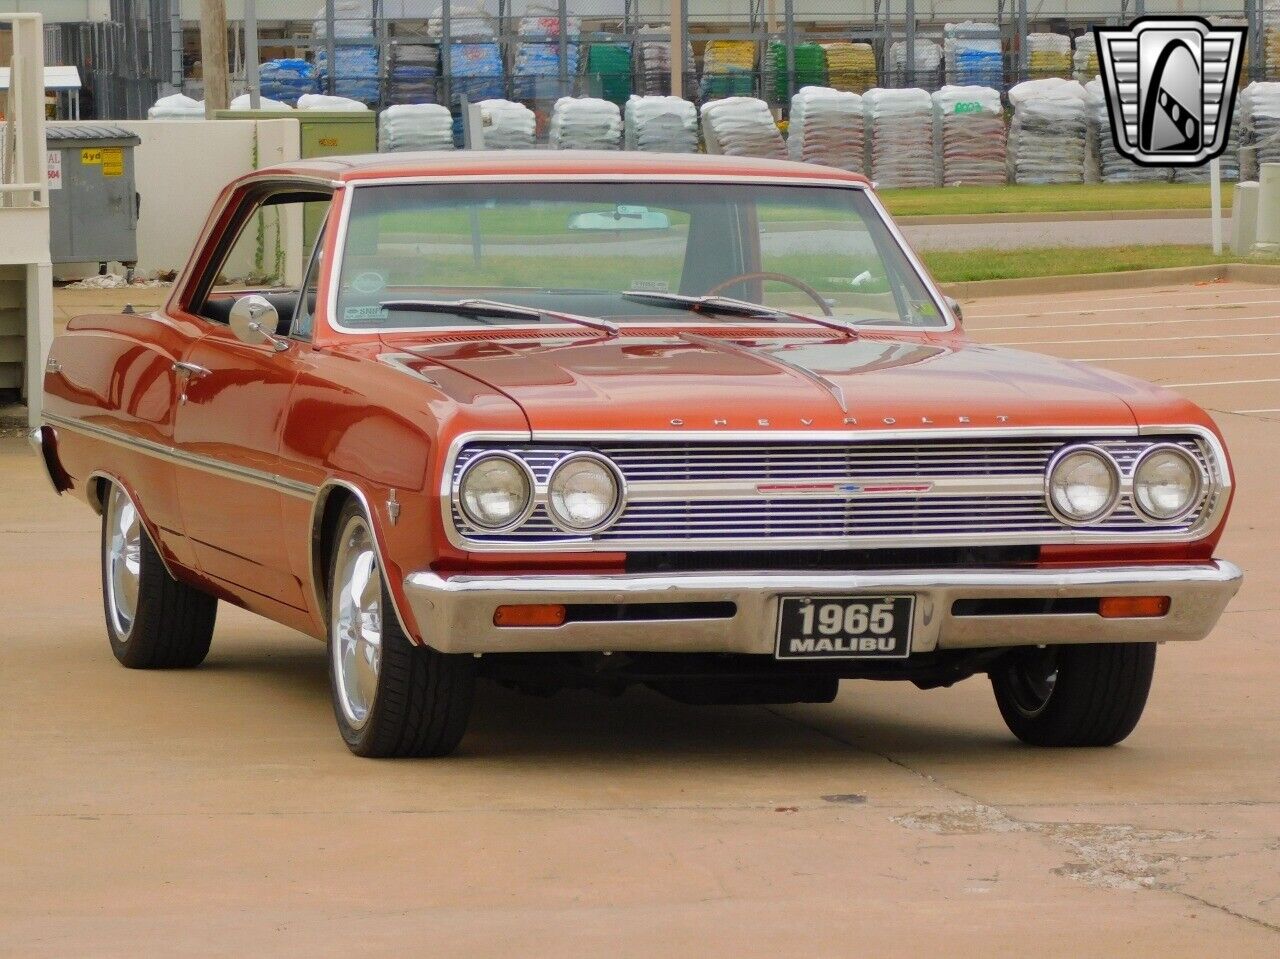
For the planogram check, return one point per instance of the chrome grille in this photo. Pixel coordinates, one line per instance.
(1014, 510)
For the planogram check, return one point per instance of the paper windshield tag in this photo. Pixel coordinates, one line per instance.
(358, 313)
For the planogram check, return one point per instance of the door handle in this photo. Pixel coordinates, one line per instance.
(189, 369)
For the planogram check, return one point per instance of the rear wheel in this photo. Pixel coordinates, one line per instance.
(153, 621)
(1086, 695)
(390, 697)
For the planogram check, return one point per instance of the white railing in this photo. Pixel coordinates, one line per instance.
(23, 173)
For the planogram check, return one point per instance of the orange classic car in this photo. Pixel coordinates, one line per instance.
(575, 419)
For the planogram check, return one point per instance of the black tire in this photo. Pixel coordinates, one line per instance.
(171, 624)
(423, 697)
(1095, 698)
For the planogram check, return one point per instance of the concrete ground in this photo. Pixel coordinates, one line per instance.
(215, 812)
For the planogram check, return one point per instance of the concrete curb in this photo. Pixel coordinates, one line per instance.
(1089, 282)
(1080, 216)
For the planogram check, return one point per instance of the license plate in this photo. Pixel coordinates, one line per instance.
(845, 627)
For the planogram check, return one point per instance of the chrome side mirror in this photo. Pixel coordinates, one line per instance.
(254, 321)
(954, 306)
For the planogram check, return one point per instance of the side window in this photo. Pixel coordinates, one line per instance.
(302, 317)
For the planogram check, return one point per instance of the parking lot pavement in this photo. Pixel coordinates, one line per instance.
(216, 812)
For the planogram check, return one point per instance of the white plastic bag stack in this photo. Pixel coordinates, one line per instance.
(244, 102)
(1047, 139)
(1084, 61)
(1260, 108)
(1049, 55)
(924, 73)
(415, 126)
(742, 126)
(585, 123)
(972, 135)
(320, 101)
(508, 125)
(827, 127)
(352, 19)
(176, 107)
(1113, 167)
(653, 59)
(661, 125)
(468, 23)
(972, 54)
(900, 123)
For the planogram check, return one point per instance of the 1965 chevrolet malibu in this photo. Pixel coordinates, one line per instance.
(561, 419)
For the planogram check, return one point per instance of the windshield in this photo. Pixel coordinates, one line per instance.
(588, 248)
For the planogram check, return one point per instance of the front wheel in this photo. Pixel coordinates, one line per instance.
(1087, 695)
(390, 697)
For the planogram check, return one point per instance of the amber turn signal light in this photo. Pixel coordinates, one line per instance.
(1132, 607)
(531, 615)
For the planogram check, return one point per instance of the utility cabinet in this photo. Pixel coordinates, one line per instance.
(93, 197)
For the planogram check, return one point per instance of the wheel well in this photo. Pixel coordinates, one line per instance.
(97, 493)
(322, 537)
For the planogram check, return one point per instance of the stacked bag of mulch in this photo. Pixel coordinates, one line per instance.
(1049, 55)
(656, 124)
(585, 123)
(827, 127)
(176, 107)
(286, 79)
(851, 67)
(322, 102)
(475, 67)
(971, 135)
(810, 69)
(608, 67)
(265, 104)
(923, 73)
(1111, 165)
(653, 60)
(1229, 163)
(972, 54)
(355, 72)
(728, 69)
(742, 126)
(1084, 61)
(900, 124)
(415, 126)
(507, 125)
(414, 73)
(536, 72)
(1048, 139)
(1259, 107)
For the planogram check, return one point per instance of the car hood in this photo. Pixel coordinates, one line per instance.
(657, 382)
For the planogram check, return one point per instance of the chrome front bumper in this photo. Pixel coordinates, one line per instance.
(455, 615)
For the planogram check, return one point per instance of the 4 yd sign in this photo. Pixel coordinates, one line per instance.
(845, 627)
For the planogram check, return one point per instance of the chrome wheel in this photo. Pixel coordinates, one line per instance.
(122, 548)
(355, 624)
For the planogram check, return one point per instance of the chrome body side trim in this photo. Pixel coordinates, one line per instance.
(344, 217)
(457, 613)
(206, 464)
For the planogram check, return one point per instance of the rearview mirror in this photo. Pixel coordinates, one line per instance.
(954, 306)
(623, 218)
(254, 320)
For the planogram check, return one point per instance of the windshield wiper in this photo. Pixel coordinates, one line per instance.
(494, 308)
(734, 307)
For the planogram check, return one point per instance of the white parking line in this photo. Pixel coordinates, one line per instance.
(1121, 309)
(1156, 322)
(1220, 383)
(1134, 339)
(1189, 356)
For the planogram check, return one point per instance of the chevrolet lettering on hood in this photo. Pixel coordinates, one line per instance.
(561, 418)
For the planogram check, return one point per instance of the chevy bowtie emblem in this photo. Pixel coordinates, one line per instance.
(1171, 86)
(842, 489)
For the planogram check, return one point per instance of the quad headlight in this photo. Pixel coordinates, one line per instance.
(1167, 483)
(495, 492)
(584, 493)
(1083, 485)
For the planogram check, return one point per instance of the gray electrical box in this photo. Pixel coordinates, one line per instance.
(93, 198)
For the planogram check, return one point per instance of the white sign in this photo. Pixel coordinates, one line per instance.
(54, 167)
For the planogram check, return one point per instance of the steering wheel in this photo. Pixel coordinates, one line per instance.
(800, 285)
